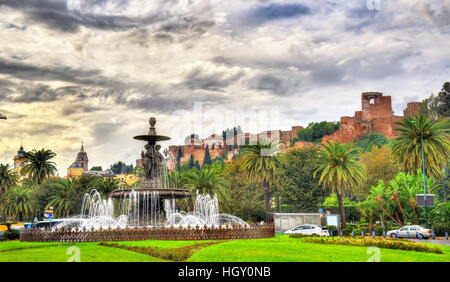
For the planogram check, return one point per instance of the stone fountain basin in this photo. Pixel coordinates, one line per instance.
(164, 193)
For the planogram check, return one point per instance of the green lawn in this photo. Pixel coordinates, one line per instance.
(280, 248)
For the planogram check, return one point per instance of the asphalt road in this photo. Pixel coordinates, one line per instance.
(438, 242)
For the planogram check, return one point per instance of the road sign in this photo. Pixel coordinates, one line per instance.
(320, 210)
(421, 203)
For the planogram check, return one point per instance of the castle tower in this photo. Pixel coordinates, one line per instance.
(82, 159)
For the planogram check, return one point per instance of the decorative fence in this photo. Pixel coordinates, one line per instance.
(227, 232)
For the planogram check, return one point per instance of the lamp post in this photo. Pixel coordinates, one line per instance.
(424, 182)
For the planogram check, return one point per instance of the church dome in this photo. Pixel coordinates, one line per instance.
(82, 155)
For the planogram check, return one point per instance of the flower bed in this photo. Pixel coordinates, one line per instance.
(377, 242)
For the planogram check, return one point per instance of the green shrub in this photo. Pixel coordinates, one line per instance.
(440, 228)
(11, 235)
(378, 242)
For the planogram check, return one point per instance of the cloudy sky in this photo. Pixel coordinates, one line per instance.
(96, 70)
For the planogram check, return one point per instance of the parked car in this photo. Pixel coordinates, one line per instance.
(308, 229)
(413, 231)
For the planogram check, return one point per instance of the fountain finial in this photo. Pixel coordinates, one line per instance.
(152, 122)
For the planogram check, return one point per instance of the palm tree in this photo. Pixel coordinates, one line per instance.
(39, 165)
(17, 202)
(207, 181)
(60, 197)
(340, 171)
(407, 149)
(260, 165)
(8, 179)
(105, 186)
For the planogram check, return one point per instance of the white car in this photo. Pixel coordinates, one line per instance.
(413, 231)
(308, 229)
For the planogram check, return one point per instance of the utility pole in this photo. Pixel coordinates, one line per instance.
(424, 182)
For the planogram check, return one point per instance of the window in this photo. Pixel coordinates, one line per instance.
(404, 228)
(412, 228)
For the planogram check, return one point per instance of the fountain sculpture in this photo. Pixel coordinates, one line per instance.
(150, 211)
(153, 203)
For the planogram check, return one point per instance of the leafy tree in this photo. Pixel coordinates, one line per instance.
(315, 131)
(197, 165)
(397, 198)
(300, 190)
(339, 171)
(208, 181)
(379, 165)
(191, 162)
(368, 141)
(17, 202)
(8, 179)
(60, 198)
(246, 201)
(105, 185)
(39, 165)
(121, 168)
(96, 168)
(407, 146)
(261, 165)
(180, 153)
(370, 210)
(439, 105)
(207, 159)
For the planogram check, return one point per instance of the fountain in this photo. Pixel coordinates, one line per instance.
(152, 211)
(153, 203)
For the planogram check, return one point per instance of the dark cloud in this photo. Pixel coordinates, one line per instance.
(30, 72)
(276, 11)
(216, 81)
(163, 103)
(54, 14)
(270, 83)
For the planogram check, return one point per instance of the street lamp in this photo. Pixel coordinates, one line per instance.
(424, 175)
(424, 182)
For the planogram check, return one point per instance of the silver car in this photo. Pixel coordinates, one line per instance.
(308, 229)
(413, 230)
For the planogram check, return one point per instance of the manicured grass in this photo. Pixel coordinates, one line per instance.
(281, 248)
(160, 243)
(89, 252)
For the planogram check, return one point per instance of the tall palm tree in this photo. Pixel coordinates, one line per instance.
(17, 202)
(39, 165)
(105, 185)
(407, 147)
(207, 181)
(60, 197)
(260, 165)
(339, 171)
(8, 179)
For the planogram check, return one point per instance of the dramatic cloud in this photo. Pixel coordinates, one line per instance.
(95, 70)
